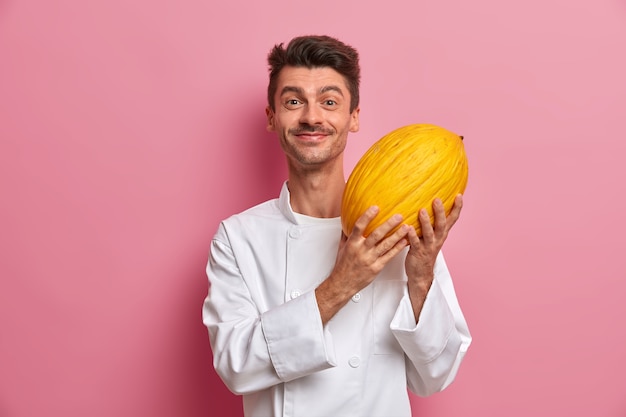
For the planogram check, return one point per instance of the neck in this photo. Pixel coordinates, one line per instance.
(317, 193)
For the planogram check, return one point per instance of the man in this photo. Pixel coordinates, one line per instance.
(303, 320)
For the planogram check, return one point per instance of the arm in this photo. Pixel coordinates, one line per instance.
(437, 344)
(253, 349)
(435, 336)
(420, 261)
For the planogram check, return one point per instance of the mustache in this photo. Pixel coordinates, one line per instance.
(304, 128)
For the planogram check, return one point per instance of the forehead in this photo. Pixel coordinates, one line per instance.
(311, 80)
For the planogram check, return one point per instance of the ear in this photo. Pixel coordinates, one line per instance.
(269, 113)
(354, 120)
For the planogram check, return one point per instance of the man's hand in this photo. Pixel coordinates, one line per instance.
(420, 260)
(359, 260)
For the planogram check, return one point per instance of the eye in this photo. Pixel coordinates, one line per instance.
(292, 103)
(330, 102)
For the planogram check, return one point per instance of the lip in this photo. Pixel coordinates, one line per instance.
(312, 137)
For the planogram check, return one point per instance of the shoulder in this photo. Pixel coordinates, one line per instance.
(266, 210)
(253, 221)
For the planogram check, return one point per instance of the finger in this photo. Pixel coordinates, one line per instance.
(361, 224)
(427, 228)
(383, 230)
(455, 213)
(439, 213)
(414, 239)
(391, 253)
(390, 241)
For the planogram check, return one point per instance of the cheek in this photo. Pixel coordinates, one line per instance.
(348, 125)
(285, 120)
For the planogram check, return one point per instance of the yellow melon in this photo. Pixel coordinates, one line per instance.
(403, 172)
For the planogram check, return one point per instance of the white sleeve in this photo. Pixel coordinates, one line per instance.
(254, 350)
(436, 346)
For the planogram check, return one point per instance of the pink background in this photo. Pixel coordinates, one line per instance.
(130, 128)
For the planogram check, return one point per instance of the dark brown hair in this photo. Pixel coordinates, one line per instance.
(315, 52)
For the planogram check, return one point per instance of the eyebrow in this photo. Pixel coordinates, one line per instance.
(332, 88)
(298, 90)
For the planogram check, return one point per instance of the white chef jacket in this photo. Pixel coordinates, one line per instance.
(267, 337)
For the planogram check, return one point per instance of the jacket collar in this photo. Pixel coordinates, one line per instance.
(284, 205)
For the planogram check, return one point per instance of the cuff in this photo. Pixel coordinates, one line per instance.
(297, 342)
(429, 338)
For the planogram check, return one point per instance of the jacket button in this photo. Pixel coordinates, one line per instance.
(356, 297)
(295, 294)
(354, 361)
(295, 233)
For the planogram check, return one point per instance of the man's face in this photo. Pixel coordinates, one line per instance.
(312, 115)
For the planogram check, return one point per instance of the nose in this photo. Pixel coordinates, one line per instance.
(311, 115)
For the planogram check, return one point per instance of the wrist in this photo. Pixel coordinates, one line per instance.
(331, 295)
(420, 285)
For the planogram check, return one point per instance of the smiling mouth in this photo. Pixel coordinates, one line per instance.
(311, 135)
(308, 138)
